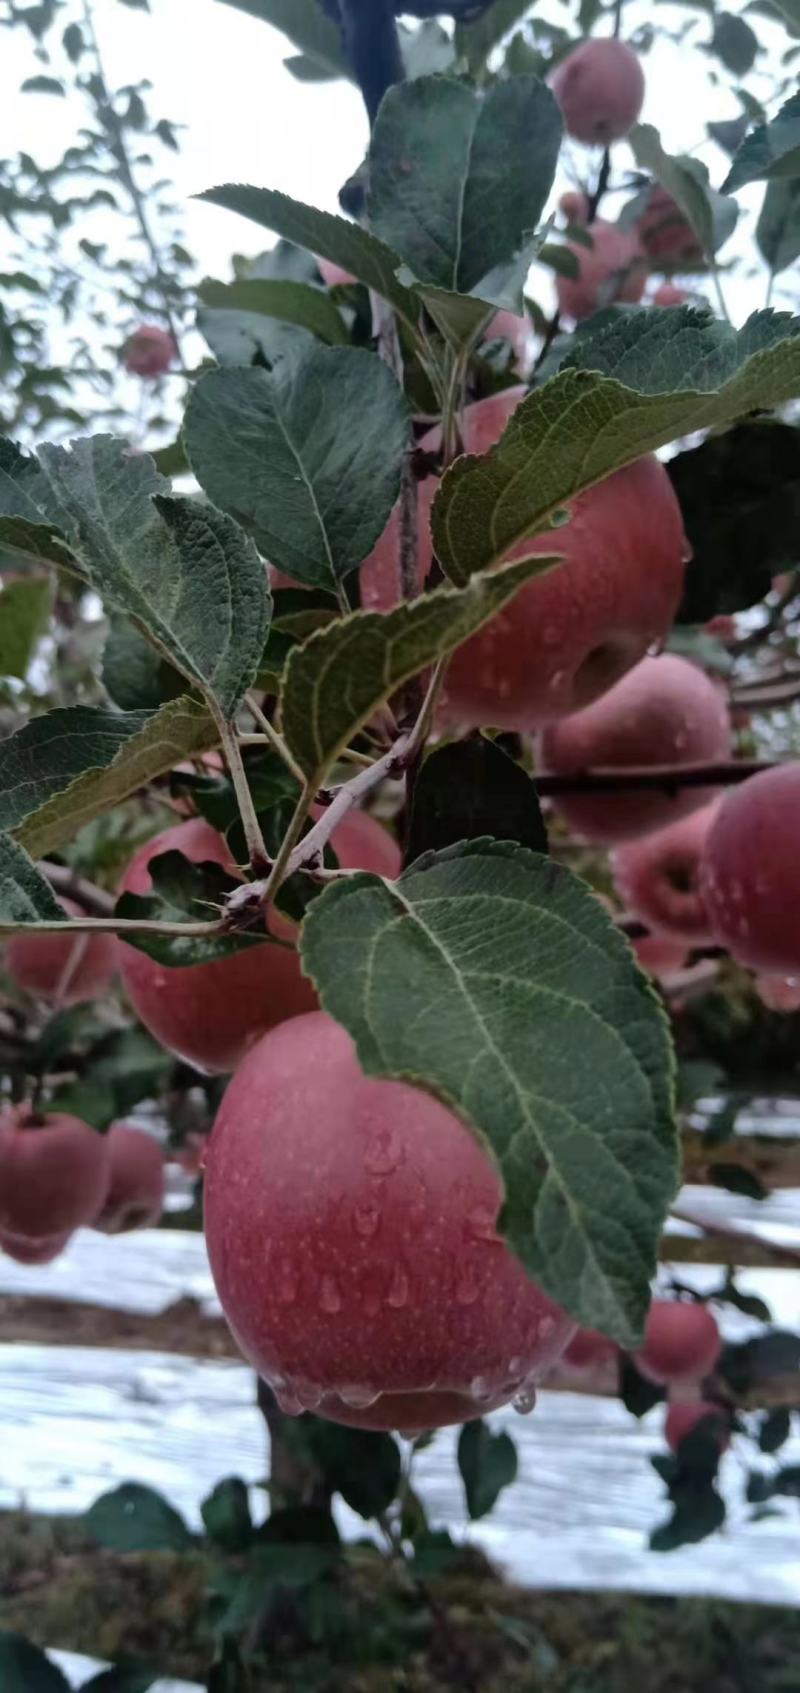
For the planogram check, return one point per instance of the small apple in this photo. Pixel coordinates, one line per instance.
(600, 89)
(63, 969)
(150, 351)
(684, 1416)
(666, 234)
(680, 1340)
(333, 275)
(664, 711)
(351, 1231)
(54, 1173)
(136, 1188)
(612, 271)
(658, 877)
(748, 874)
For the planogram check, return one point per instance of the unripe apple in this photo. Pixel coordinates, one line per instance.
(63, 969)
(778, 993)
(150, 351)
(611, 271)
(571, 634)
(54, 1172)
(575, 206)
(26, 1251)
(136, 1188)
(658, 877)
(210, 1014)
(664, 711)
(748, 877)
(680, 1340)
(668, 295)
(683, 1417)
(665, 234)
(659, 954)
(600, 89)
(351, 1231)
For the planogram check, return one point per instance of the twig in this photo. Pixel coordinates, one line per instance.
(276, 741)
(256, 846)
(734, 1232)
(755, 695)
(601, 779)
(67, 882)
(116, 925)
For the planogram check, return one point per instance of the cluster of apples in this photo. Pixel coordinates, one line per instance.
(57, 1175)
(681, 1347)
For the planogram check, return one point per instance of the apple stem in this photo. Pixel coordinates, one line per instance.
(256, 846)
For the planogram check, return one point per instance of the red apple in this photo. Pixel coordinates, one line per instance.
(680, 1340)
(150, 351)
(26, 1251)
(351, 1231)
(589, 1350)
(668, 295)
(63, 969)
(683, 1417)
(507, 326)
(333, 275)
(659, 954)
(575, 206)
(665, 234)
(600, 89)
(748, 875)
(210, 1014)
(54, 1173)
(658, 877)
(778, 993)
(611, 271)
(571, 634)
(665, 711)
(136, 1189)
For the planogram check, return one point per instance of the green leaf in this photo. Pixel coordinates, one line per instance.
(135, 676)
(136, 1519)
(364, 1467)
(774, 1429)
(42, 85)
(187, 574)
(185, 892)
(697, 1515)
(735, 43)
(427, 50)
(773, 149)
(226, 1515)
(492, 977)
(335, 681)
(739, 493)
(307, 27)
(178, 731)
(306, 69)
(458, 180)
(471, 789)
(474, 41)
(25, 1669)
(120, 1678)
(488, 1463)
(643, 380)
(74, 43)
(711, 215)
(24, 616)
(345, 243)
(778, 227)
(790, 11)
(49, 752)
(290, 302)
(228, 1673)
(25, 896)
(309, 456)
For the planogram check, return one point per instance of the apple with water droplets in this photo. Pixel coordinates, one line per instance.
(136, 1182)
(658, 877)
(600, 89)
(54, 1173)
(351, 1231)
(748, 874)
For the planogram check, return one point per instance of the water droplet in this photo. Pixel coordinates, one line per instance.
(480, 1388)
(556, 680)
(514, 1366)
(397, 1296)
(288, 1401)
(358, 1398)
(524, 1401)
(546, 1327)
(307, 1394)
(329, 1296)
(287, 1285)
(365, 1220)
(481, 1221)
(504, 688)
(372, 1303)
(467, 1289)
(384, 1152)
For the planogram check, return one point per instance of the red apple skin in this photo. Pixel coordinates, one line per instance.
(658, 877)
(665, 711)
(575, 206)
(570, 635)
(333, 275)
(659, 954)
(210, 1014)
(507, 326)
(748, 876)
(600, 89)
(778, 993)
(150, 351)
(683, 1417)
(135, 1195)
(665, 234)
(668, 295)
(589, 1350)
(612, 270)
(26, 1251)
(54, 1173)
(680, 1340)
(350, 1225)
(63, 969)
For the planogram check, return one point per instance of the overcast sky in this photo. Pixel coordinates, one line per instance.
(220, 72)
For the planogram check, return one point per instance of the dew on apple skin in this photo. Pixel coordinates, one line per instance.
(307, 1393)
(330, 1298)
(481, 1223)
(366, 1218)
(467, 1288)
(480, 1388)
(384, 1152)
(524, 1400)
(397, 1295)
(358, 1397)
(288, 1401)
